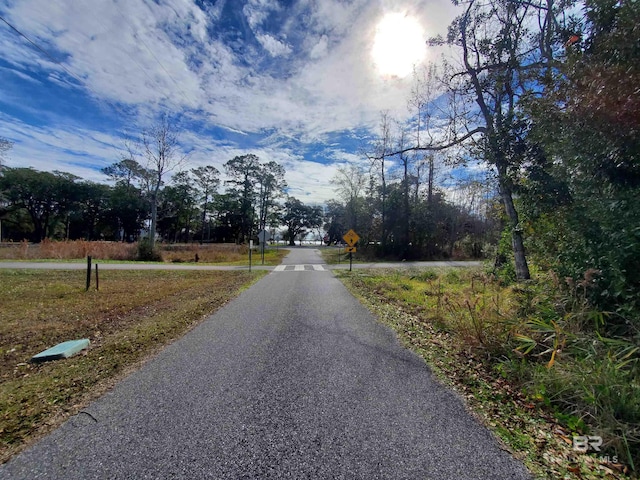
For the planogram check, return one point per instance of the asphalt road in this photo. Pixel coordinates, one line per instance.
(293, 379)
(182, 266)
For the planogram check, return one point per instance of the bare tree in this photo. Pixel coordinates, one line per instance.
(405, 160)
(350, 183)
(379, 170)
(162, 154)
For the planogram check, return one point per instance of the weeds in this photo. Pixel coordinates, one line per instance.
(549, 348)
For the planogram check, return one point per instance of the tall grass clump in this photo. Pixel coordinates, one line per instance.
(575, 365)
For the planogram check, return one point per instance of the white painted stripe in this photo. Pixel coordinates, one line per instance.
(298, 268)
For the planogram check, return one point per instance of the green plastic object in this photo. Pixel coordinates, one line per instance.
(62, 350)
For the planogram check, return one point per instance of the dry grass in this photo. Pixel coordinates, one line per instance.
(211, 253)
(65, 250)
(133, 315)
(219, 253)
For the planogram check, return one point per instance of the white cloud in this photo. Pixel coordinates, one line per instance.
(320, 49)
(257, 11)
(76, 151)
(158, 56)
(275, 47)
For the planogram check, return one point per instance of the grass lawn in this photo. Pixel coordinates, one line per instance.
(133, 316)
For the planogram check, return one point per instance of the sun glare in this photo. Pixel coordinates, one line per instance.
(399, 44)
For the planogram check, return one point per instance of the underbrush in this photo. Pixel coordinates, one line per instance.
(546, 344)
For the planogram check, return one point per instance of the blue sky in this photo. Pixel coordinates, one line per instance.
(301, 82)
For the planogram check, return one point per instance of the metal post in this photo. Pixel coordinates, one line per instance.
(350, 258)
(88, 273)
(250, 248)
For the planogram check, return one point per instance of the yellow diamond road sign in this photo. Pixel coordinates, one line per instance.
(351, 238)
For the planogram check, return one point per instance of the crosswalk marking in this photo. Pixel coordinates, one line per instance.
(299, 268)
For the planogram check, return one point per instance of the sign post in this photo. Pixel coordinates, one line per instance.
(264, 237)
(351, 238)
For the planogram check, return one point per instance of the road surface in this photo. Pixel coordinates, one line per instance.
(181, 266)
(293, 379)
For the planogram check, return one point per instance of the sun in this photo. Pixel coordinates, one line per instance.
(399, 44)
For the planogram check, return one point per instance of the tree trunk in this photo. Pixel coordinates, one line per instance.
(407, 211)
(383, 240)
(154, 219)
(204, 217)
(430, 181)
(522, 269)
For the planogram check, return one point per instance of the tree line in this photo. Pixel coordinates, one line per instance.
(189, 208)
(152, 195)
(405, 215)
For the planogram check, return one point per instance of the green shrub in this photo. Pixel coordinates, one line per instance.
(504, 267)
(146, 253)
(453, 276)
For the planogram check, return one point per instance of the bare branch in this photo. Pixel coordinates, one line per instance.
(431, 148)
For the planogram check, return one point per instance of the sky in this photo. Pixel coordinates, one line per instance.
(299, 82)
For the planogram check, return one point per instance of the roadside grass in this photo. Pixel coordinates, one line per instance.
(221, 254)
(334, 255)
(215, 253)
(521, 362)
(131, 317)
